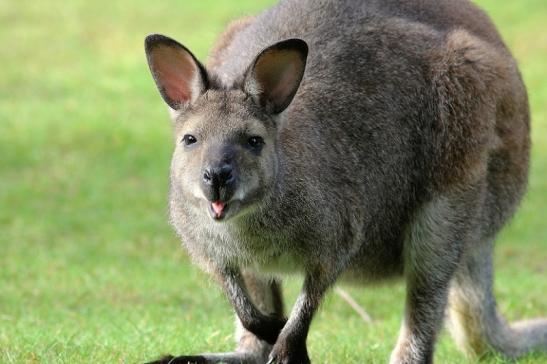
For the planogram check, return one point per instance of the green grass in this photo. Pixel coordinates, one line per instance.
(89, 269)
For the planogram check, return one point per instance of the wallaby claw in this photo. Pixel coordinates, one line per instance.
(284, 357)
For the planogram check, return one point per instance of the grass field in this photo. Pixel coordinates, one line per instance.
(90, 271)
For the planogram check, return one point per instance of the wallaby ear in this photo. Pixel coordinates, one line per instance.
(178, 74)
(274, 76)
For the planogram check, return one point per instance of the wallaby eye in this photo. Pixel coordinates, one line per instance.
(189, 139)
(255, 141)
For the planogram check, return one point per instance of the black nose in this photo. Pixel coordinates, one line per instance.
(218, 176)
(218, 183)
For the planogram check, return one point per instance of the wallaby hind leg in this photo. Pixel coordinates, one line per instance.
(476, 324)
(431, 255)
(266, 295)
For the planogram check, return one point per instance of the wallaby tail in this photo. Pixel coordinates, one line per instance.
(475, 322)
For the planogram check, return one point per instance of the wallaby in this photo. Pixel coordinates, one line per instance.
(350, 140)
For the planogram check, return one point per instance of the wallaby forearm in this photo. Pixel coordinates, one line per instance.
(266, 326)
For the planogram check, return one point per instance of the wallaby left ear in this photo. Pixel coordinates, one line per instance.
(274, 76)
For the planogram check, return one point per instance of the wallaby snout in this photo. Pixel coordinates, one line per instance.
(218, 178)
(218, 182)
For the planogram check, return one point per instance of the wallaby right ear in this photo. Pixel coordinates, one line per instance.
(178, 74)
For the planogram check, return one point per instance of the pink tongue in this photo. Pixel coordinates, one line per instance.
(218, 206)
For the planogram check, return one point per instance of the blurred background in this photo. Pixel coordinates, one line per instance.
(90, 271)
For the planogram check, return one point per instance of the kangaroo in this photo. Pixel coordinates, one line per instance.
(350, 140)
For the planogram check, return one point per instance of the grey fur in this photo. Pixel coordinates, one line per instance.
(404, 152)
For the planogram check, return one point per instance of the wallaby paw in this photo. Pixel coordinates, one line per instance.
(280, 354)
(183, 359)
(268, 328)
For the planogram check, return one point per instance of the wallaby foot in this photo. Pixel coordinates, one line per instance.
(224, 358)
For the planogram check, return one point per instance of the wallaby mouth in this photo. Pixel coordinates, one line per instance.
(219, 209)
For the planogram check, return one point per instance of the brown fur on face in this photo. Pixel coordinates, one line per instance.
(222, 120)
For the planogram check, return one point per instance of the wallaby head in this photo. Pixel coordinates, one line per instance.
(225, 159)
